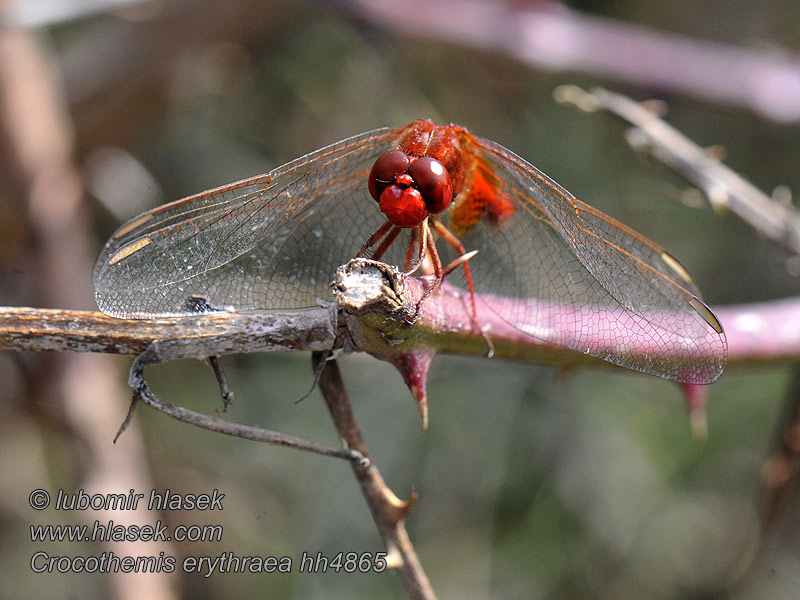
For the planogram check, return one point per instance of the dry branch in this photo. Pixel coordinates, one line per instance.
(752, 330)
(196, 336)
(387, 509)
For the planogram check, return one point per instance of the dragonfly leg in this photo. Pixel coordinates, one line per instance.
(410, 250)
(375, 238)
(391, 236)
(456, 245)
(428, 246)
(424, 236)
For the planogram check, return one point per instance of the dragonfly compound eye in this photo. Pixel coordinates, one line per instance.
(385, 170)
(433, 181)
(403, 206)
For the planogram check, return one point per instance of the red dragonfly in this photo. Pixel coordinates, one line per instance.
(273, 242)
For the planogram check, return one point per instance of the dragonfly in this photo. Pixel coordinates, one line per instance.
(428, 196)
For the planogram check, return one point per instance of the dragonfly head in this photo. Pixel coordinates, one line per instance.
(408, 189)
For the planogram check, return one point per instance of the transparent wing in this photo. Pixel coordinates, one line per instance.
(585, 281)
(556, 269)
(268, 242)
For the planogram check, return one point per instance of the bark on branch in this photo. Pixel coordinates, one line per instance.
(751, 329)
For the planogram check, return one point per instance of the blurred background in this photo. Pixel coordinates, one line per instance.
(533, 482)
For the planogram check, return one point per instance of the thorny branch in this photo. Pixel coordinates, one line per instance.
(752, 331)
(142, 392)
(196, 336)
(388, 510)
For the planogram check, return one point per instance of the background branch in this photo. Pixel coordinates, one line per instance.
(550, 36)
(46, 229)
(724, 188)
(387, 509)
